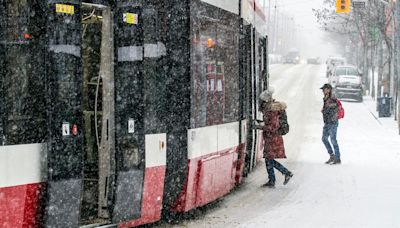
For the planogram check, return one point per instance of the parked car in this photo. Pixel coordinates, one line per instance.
(331, 62)
(347, 81)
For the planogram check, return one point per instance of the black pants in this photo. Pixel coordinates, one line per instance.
(271, 164)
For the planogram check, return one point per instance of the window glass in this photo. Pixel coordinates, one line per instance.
(340, 71)
(215, 68)
(346, 71)
(22, 76)
(352, 71)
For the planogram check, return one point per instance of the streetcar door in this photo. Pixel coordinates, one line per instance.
(260, 85)
(139, 106)
(139, 102)
(255, 69)
(249, 69)
(255, 114)
(64, 110)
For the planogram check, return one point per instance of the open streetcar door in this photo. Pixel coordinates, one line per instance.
(251, 69)
(139, 109)
(255, 70)
(65, 141)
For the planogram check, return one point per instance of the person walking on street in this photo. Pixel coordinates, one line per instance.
(273, 140)
(331, 123)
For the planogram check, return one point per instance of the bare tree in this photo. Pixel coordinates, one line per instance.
(363, 30)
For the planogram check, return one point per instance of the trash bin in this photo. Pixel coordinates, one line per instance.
(384, 106)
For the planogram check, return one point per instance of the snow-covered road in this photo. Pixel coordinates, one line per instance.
(364, 191)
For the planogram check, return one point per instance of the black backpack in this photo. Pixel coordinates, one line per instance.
(283, 124)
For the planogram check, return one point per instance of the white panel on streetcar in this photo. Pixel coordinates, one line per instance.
(202, 141)
(228, 136)
(228, 5)
(22, 164)
(156, 150)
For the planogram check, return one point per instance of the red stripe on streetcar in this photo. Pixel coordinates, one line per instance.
(152, 197)
(209, 177)
(20, 205)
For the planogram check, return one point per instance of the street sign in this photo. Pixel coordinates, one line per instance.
(360, 4)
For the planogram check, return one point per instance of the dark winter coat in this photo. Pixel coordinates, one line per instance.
(273, 142)
(330, 110)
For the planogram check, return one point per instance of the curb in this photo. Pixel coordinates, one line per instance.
(372, 113)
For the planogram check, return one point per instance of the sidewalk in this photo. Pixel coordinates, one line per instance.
(387, 122)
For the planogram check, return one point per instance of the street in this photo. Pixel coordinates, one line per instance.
(361, 192)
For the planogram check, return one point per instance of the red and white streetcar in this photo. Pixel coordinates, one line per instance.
(114, 112)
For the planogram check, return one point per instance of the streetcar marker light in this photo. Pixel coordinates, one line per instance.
(74, 129)
(210, 43)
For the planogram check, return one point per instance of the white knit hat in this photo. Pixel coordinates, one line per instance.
(266, 95)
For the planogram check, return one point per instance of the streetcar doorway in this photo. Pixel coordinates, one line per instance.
(98, 113)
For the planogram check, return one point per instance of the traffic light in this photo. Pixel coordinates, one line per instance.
(343, 6)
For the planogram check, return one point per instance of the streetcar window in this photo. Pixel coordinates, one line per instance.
(215, 69)
(23, 110)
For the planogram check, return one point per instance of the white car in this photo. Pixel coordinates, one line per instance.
(347, 81)
(332, 62)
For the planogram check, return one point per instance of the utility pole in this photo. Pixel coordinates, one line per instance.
(269, 23)
(395, 62)
(393, 76)
(382, 20)
(275, 28)
(397, 53)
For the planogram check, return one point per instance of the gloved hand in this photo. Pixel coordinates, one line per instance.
(256, 125)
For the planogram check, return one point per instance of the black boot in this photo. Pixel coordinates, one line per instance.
(331, 159)
(336, 161)
(269, 184)
(287, 177)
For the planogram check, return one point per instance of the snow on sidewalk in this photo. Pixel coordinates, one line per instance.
(388, 123)
(361, 192)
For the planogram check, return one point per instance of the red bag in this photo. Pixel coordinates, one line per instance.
(340, 109)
